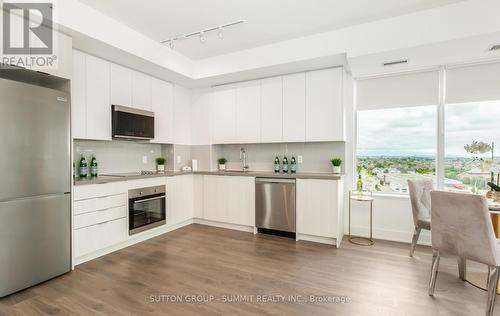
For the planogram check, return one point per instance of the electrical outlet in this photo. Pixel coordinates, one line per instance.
(299, 159)
(144, 159)
(179, 159)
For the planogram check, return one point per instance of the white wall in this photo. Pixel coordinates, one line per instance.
(392, 220)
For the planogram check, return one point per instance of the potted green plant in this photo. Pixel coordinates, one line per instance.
(160, 164)
(222, 164)
(336, 163)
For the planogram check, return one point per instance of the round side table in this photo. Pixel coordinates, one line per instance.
(366, 197)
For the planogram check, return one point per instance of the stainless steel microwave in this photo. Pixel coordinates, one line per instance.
(130, 123)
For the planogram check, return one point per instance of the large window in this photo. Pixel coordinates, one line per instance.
(472, 130)
(395, 145)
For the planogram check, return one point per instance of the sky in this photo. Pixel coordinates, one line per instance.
(412, 131)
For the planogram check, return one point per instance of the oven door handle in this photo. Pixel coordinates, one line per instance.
(150, 199)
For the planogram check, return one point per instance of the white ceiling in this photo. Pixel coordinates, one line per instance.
(268, 21)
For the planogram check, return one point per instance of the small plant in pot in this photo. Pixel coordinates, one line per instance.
(336, 163)
(222, 164)
(160, 164)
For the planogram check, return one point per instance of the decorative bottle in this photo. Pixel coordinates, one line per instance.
(83, 168)
(293, 165)
(93, 167)
(359, 184)
(285, 165)
(276, 165)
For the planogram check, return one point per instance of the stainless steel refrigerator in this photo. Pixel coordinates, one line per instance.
(35, 185)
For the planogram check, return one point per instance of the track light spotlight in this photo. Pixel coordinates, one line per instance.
(220, 34)
(203, 38)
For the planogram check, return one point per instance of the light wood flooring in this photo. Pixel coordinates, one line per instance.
(209, 261)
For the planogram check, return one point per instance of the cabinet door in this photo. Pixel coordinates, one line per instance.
(182, 115)
(324, 107)
(215, 206)
(294, 108)
(241, 200)
(78, 97)
(224, 115)
(121, 85)
(141, 91)
(179, 199)
(271, 110)
(162, 99)
(318, 207)
(97, 95)
(248, 112)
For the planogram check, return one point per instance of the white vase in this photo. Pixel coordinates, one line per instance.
(222, 167)
(160, 168)
(336, 169)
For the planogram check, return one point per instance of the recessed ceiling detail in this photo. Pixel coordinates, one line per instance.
(269, 21)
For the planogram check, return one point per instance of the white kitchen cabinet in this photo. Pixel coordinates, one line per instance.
(120, 85)
(294, 108)
(215, 199)
(141, 91)
(320, 209)
(78, 96)
(180, 199)
(271, 124)
(62, 46)
(224, 115)
(201, 103)
(182, 115)
(162, 99)
(241, 201)
(229, 199)
(98, 118)
(100, 236)
(198, 196)
(324, 105)
(248, 112)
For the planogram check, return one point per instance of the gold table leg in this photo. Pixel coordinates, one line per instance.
(479, 279)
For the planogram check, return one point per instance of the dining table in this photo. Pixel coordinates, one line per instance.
(479, 278)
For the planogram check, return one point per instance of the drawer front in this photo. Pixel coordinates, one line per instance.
(96, 237)
(97, 217)
(98, 204)
(82, 192)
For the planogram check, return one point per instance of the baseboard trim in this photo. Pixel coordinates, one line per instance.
(318, 239)
(132, 240)
(243, 228)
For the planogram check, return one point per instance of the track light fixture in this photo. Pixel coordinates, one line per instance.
(202, 34)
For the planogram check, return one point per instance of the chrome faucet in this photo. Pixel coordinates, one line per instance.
(243, 159)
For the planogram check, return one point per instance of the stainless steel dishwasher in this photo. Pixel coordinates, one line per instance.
(275, 206)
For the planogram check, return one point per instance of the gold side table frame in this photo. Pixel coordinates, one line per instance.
(361, 197)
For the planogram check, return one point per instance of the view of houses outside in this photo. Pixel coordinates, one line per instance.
(405, 147)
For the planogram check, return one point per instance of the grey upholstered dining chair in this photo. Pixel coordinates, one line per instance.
(420, 196)
(461, 226)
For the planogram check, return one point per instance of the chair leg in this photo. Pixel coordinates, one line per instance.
(492, 290)
(434, 271)
(414, 240)
(488, 277)
(461, 268)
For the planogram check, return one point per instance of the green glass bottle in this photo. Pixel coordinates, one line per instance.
(285, 165)
(276, 165)
(293, 165)
(359, 184)
(84, 167)
(93, 167)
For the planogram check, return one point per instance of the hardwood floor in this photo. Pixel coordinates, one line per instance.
(202, 260)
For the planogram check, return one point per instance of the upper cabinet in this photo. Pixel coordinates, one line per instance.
(141, 91)
(162, 99)
(98, 118)
(182, 115)
(97, 84)
(248, 112)
(324, 105)
(224, 115)
(121, 85)
(294, 108)
(271, 107)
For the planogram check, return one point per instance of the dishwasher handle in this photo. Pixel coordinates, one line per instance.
(274, 180)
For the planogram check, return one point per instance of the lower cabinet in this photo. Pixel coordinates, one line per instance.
(100, 236)
(229, 199)
(180, 199)
(320, 209)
